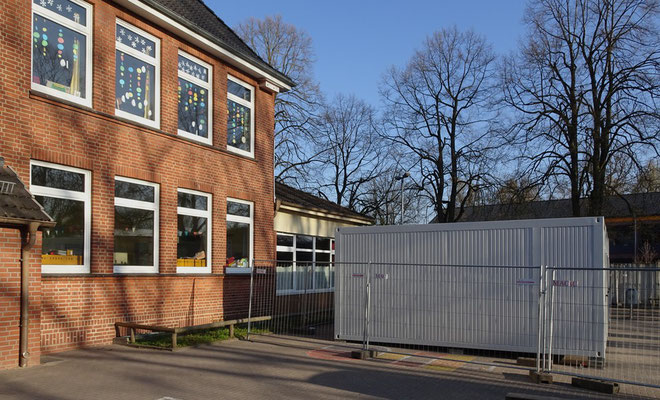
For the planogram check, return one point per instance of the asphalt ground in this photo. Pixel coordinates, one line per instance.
(274, 367)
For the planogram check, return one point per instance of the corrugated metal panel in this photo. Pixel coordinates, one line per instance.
(473, 285)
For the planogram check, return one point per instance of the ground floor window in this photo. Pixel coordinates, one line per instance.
(194, 232)
(304, 263)
(239, 233)
(136, 226)
(65, 194)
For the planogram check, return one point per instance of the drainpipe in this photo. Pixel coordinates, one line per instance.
(28, 237)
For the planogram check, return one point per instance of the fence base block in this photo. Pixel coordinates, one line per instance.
(540, 377)
(526, 362)
(364, 354)
(596, 385)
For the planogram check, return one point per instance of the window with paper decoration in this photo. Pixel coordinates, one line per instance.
(240, 117)
(61, 49)
(136, 74)
(194, 98)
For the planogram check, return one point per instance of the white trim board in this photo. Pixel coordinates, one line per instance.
(173, 26)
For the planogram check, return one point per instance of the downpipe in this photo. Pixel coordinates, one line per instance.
(28, 238)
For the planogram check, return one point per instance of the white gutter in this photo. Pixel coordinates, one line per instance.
(267, 81)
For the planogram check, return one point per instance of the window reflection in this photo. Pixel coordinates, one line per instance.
(133, 236)
(64, 243)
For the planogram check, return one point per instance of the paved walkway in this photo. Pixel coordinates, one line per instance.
(267, 368)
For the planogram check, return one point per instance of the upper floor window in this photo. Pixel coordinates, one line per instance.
(65, 194)
(137, 75)
(136, 226)
(195, 98)
(240, 117)
(62, 49)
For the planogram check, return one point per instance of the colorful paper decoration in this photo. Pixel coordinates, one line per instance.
(238, 125)
(133, 86)
(193, 108)
(58, 57)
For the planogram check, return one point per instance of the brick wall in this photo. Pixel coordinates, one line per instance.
(80, 310)
(10, 299)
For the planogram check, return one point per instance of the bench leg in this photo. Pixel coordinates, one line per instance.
(231, 330)
(174, 341)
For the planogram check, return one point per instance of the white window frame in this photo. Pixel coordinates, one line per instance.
(85, 30)
(209, 88)
(294, 249)
(141, 205)
(193, 212)
(85, 197)
(246, 220)
(155, 61)
(249, 105)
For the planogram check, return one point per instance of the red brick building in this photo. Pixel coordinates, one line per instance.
(145, 130)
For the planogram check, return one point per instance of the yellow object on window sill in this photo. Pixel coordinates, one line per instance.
(190, 262)
(54, 259)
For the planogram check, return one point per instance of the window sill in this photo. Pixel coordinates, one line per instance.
(241, 153)
(238, 271)
(38, 93)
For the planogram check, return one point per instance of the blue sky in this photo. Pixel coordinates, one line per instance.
(355, 41)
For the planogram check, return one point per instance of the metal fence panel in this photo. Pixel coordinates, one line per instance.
(632, 328)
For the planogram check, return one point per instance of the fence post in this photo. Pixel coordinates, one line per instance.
(250, 301)
(552, 309)
(541, 313)
(367, 306)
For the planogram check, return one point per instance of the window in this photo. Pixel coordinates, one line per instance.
(136, 226)
(240, 117)
(304, 264)
(137, 75)
(195, 98)
(62, 49)
(193, 249)
(239, 233)
(65, 194)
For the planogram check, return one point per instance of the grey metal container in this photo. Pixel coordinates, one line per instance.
(475, 285)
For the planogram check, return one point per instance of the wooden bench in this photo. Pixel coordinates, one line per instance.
(176, 331)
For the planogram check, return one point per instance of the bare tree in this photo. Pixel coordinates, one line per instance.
(289, 50)
(620, 48)
(542, 84)
(586, 85)
(346, 139)
(436, 112)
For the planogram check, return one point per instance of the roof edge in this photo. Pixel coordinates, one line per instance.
(160, 16)
(289, 206)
